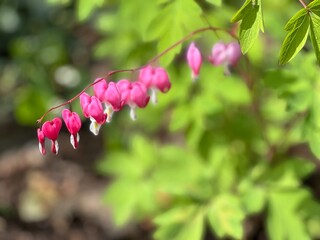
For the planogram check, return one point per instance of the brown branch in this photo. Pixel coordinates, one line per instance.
(156, 58)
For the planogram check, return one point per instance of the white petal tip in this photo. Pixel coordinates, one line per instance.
(133, 115)
(95, 127)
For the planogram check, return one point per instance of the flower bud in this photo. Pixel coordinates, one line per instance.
(194, 60)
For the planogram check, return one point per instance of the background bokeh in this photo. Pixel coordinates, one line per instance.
(225, 157)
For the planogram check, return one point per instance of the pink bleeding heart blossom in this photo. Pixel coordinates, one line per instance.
(194, 60)
(228, 54)
(155, 79)
(134, 95)
(41, 139)
(100, 88)
(233, 53)
(110, 95)
(51, 131)
(73, 123)
(92, 108)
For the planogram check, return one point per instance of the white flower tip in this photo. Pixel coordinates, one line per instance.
(154, 98)
(95, 127)
(194, 76)
(55, 149)
(133, 114)
(73, 142)
(42, 149)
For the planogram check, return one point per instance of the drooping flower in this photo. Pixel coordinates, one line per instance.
(92, 108)
(233, 53)
(155, 79)
(225, 54)
(218, 54)
(194, 60)
(110, 95)
(134, 95)
(51, 131)
(73, 123)
(41, 139)
(100, 88)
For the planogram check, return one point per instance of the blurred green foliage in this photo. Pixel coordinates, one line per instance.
(210, 154)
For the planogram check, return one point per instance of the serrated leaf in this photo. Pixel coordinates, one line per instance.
(295, 40)
(251, 15)
(215, 2)
(225, 216)
(175, 20)
(315, 34)
(85, 8)
(283, 221)
(249, 29)
(180, 223)
(123, 198)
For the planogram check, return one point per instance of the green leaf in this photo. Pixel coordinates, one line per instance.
(175, 20)
(180, 223)
(291, 24)
(314, 5)
(251, 15)
(283, 220)
(295, 39)
(215, 2)
(123, 198)
(85, 8)
(225, 216)
(253, 197)
(241, 12)
(315, 34)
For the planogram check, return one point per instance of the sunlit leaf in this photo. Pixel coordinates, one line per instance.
(225, 216)
(215, 2)
(85, 8)
(250, 15)
(296, 38)
(315, 34)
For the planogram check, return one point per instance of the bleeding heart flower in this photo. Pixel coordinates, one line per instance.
(41, 139)
(73, 123)
(194, 60)
(51, 131)
(155, 79)
(92, 108)
(133, 94)
(100, 88)
(225, 54)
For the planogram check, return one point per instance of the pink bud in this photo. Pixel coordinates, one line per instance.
(227, 54)
(73, 123)
(51, 130)
(194, 60)
(41, 139)
(92, 108)
(100, 88)
(233, 53)
(218, 54)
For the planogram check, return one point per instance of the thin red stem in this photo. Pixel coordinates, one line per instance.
(156, 58)
(303, 4)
